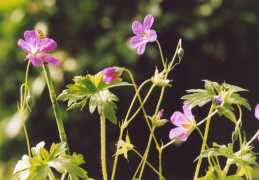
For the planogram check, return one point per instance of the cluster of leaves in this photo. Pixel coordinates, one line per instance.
(95, 89)
(228, 93)
(243, 159)
(38, 166)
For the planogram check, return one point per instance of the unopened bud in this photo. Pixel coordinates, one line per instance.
(180, 53)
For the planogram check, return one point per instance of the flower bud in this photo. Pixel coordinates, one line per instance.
(111, 74)
(158, 79)
(180, 53)
(218, 100)
(156, 119)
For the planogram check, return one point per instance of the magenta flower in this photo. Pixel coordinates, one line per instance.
(110, 74)
(37, 49)
(185, 123)
(143, 34)
(257, 111)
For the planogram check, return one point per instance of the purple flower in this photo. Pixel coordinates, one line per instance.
(257, 111)
(185, 123)
(37, 49)
(218, 100)
(110, 74)
(143, 34)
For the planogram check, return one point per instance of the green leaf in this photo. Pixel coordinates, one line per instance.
(198, 98)
(22, 164)
(234, 177)
(36, 150)
(230, 115)
(211, 86)
(241, 101)
(69, 164)
(39, 169)
(78, 158)
(96, 89)
(104, 101)
(57, 149)
(219, 150)
(235, 88)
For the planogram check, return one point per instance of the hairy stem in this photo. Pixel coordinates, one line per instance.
(204, 143)
(146, 153)
(22, 107)
(158, 173)
(55, 106)
(103, 148)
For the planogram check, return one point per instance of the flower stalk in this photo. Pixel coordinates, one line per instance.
(103, 148)
(62, 133)
(204, 142)
(22, 106)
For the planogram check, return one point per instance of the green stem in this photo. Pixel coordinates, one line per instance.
(139, 98)
(161, 54)
(171, 63)
(204, 143)
(146, 152)
(158, 173)
(57, 113)
(116, 156)
(103, 148)
(133, 101)
(253, 138)
(22, 106)
(63, 176)
(160, 163)
(51, 175)
(126, 122)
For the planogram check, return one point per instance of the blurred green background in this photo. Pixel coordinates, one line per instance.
(220, 40)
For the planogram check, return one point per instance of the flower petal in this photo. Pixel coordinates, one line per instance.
(176, 132)
(178, 119)
(109, 79)
(35, 61)
(184, 137)
(148, 21)
(137, 28)
(51, 60)
(136, 41)
(188, 112)
(47, 45)
(141, 48)
(24, 45)
(32, 38)
(109, 71)
(257, 111)
(152, 36)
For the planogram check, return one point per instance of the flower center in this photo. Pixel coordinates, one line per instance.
(145, 35)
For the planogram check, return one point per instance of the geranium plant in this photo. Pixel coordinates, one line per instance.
(94, 93)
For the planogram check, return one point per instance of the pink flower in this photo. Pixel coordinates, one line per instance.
(257, 111)
(37, 49)
(110, 74)
(185, 123)
(257, 115)
(143, 34)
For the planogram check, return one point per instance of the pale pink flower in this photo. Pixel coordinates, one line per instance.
(37, 49)
(143, 34)
(257, 111)
(185, 123)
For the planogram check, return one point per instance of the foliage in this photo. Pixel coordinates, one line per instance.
(38, 166)
(95, 89)
(218, 38)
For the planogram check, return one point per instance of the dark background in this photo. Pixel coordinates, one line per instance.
(220, 40)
